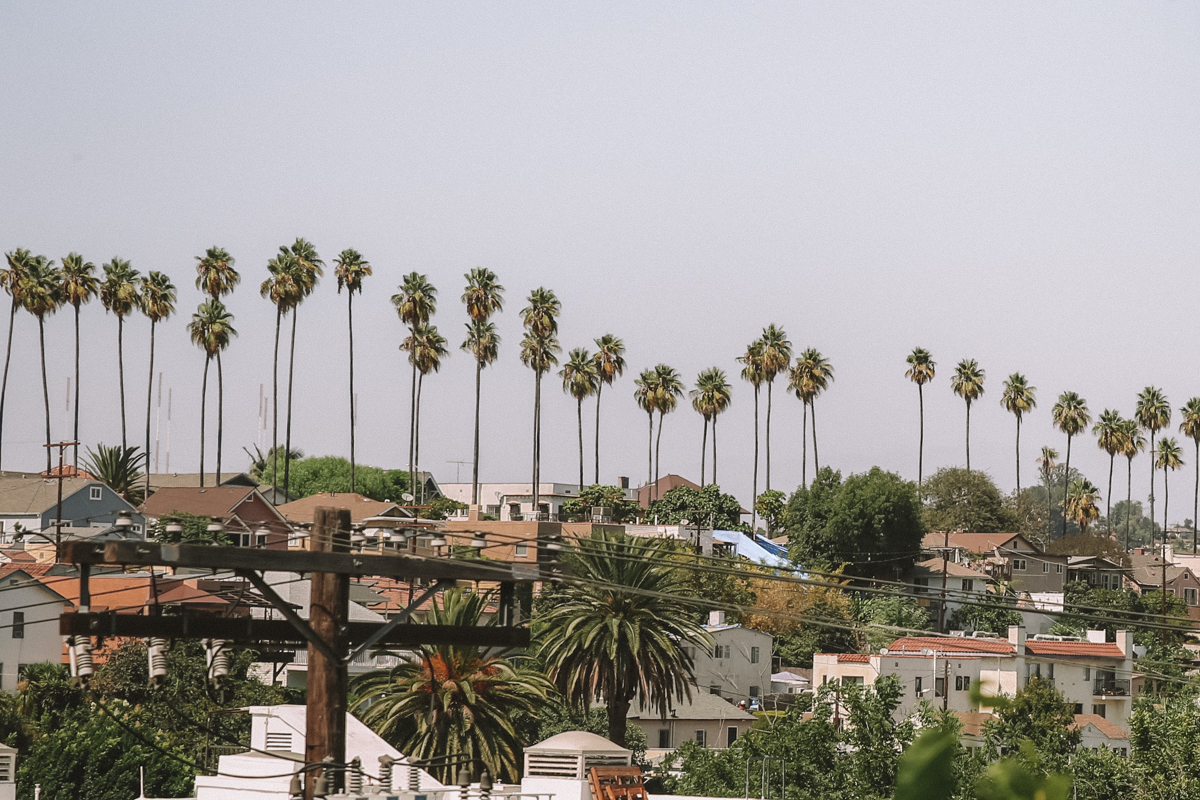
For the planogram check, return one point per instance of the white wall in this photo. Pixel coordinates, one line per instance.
(41, 641)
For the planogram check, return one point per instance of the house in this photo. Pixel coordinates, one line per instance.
(1008, 557)
(1099, 732)
(655, 490)
(1097, 571)
(29, 504)
(29, 611)
(706, 719)
(360, 507)
(514, 501)
(791, 681)
(1146, 575)
(962, 583)
(738, 667)
(249, 519)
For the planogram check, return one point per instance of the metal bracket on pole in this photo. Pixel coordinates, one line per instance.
(289, 613)
(399, 619)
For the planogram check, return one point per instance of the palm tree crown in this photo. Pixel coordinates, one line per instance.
(1081, 503)
(540, 315)
(921, 366)
(483, 296)
(157, 298)
(79, 281)
(211, 328)
(416, 301)
(1070, 414)
(350, 268)
(610, 358)
(967, 381)
(1153, 411)
(1189, 426)
(119, 290)
(1170, 455)
(282, 286)
(482, 342)
(579, 374)
(1019, 398)
(215, 275)
(41, 288)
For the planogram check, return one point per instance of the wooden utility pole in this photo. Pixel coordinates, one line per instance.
(945, 565)
(325, 724)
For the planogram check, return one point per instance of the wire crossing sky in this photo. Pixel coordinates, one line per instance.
(1015, 185)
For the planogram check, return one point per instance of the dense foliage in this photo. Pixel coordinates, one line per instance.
(332, 474)
(605, 497)
(967, 500)
(708, 506)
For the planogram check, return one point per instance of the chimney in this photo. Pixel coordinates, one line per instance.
(716, 618)
(1016, 637)
(1096, 637)
(1139, 551)
(1125, 643)
(624, 482)
(473, 512)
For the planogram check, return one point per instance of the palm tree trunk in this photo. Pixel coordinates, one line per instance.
(1128, 502)
(754, 489)
(650, 458)
(417, 433)
(921, 446)
(275, 410)
(618, 710)
(703, 450)
(968, 436)
(350, 315)
(812, 409)
(149, 405)
(412, 420)
(1152, 471)
(579, 415)
(220, 413)
(1066, 485)
(121, 372)
(287, 441)
(599, 389)
(203, 400)
(1196, 497)
(12, 316)
(537, 442)
(475, 463)
(75, 433)
(657, 450)
(1166, 499)
(804, 444)
(45, 388)
(1019, 456)
(715, 451)
(1112, 457)
(770, 384)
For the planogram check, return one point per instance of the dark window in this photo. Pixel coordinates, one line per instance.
(939, 687)
(1098, 709)
(917, 688)
(754, 691)
(18, 626)
(664, 738)
(754, 653)
(730, 735)
(702, 738)
(1079, 708)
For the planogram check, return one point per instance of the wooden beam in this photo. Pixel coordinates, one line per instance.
(328, 679)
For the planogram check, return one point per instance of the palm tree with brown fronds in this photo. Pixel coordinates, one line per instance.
(1190, 427)
(776, 358)
(216, 277)
(41, 290)
(610, 364)
(967, 383)
(484, 296)
(1071, 416)
(580, 380)
(351, 268)
(808, 379)
(1019, 398)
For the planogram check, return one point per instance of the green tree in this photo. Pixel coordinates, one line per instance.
(811, 375)
(753, 373)
(415, 302)
(42, 296)
(194, 530)
(1132, 443)
(483, 297)
(610, 365)
(771, 506)
(1190, 427)
(706, 505)
(283, 288)
(1081, 503)
(581, 381)
(849, 522)
(888, 617)
(1019, 399)
(1108, 432)
(351, 268)
(1169, 459)
(1071, 416)
(212, 330)
(710, 398)
(453, 699)
(993, 613)
(1040, 714)
(958, 499)
(157, 301)
(119, 294)
(602, 497)
(538, 349)
(119, 467)
(1164, 734)
(79, 286)
(1153, 413)
(967, 383)
(619, 629)
(921, 370)
(10, 278)
(776, 357)
(317, 474)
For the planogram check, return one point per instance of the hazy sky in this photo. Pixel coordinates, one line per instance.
(1014, 183)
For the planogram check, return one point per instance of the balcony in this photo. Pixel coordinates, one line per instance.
(1110, 687)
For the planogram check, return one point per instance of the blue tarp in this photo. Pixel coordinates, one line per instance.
(755, 548)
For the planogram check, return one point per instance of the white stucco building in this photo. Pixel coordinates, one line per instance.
(29, 612)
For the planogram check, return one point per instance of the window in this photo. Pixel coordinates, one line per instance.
(702, 738)
(962, 683)
(1087, 673)
(1045, 567)
(939, 687)
(95, 493)
(730, 735)
(856, 680)
(754, 653)
(18, 625)
(1189, 596)
(1079, 708)
(968, 585)
(720, 651)
(917, 688)
(1018, 565)
(1058, 568)
(521, 551)
(715, 689)
(664, 738)
(754, 691)
(1098, 709)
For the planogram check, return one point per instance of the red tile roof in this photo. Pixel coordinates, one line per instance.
(1073, 649)
(951, 644)
(853, 658)
(1108, 728)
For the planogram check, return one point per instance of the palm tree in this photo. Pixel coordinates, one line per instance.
(119, 294)
(752, 372)
(921, 369)
(415, 303)
(1190, 427)
(776, 357)
(211, 329)
(1019, 398)
(540, 318)
(1108, 438)
(581, 381)
(282, 289)
(483, 342)
(157, 302)
(812, 375)
(1071, 416)
(350, 269)
(621, 629)
(1153, 413)
(709, 398)
(1169, 458)
(483, 297)
(41, 292)
(306, 269)
(1080, 504)
(1132, 442)
(1047, 462)
(119, 467)
(669, 388)
(967, 383)
(79, 286)
(453, 699)
(18, 262)
(645, 394)
(428, 348)
(721, 397)
(610, 364)
(216, 277)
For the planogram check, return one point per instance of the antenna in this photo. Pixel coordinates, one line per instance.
(169, 429)
(457, 468)
(157, 421)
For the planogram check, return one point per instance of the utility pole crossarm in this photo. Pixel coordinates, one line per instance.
(396, 621)
(288, 612)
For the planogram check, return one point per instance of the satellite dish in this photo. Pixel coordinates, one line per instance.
(883, 651)
(406, 497)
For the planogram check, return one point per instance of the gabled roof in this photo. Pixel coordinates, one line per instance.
(951, 644)
(28, 576)
(32, 494)
(1146, 570)
(1035, 647)
(191, 480)
(704, 706)
(360, 507)
(130, 594)
(215, 501)
(971, 542)
(933, 566)
(1106, 727)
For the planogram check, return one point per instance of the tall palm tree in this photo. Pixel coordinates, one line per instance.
(752, 373)
(1132, 442)
(119, 294)
(669, 389)
(211, 329)
(610, 364)
(1080, 504)
(428, 348)
(1153, 413)
(967, 383)
(1019, 398)
(1190, 427)
(483, 297)
(540, 318)
(79, 286)
(350, 268)
(580, 380)
(10, 278)
(41, 296)
(709, 398)
(1071, 416)
(453, 699)
(216, 277)
(721, 398)
(645, 394)
(1108, 439)
(812, 375)
(921, 369)
(621, 629)
(157, 302)
(1046, 463)
(281, 288)
(1169, 458)
(415, 303)
(307, 267)
(776, 357)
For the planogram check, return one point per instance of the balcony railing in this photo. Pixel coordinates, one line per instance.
(1109, 687)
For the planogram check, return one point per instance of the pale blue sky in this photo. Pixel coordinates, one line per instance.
(1015, 183)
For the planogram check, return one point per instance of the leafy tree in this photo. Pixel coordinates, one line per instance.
(610, 365)
(804, 619)
(770, 507)
(1038, 713)
(351, 268)
(811, 375)
(1089, 544)
(1164, 734)
(921, 370)
(960, 499)
(967, 383)
(891, 611)
(1019, 399)
(870, 522)
(1095, 608)
(443, 507)
(602, 496)
(992, 612)
(1102, 774)
(706, 505)
(332, 474)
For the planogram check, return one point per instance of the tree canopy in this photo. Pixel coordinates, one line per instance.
(967, 500)
(602, 496)
(332, 474)
(699, 505)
